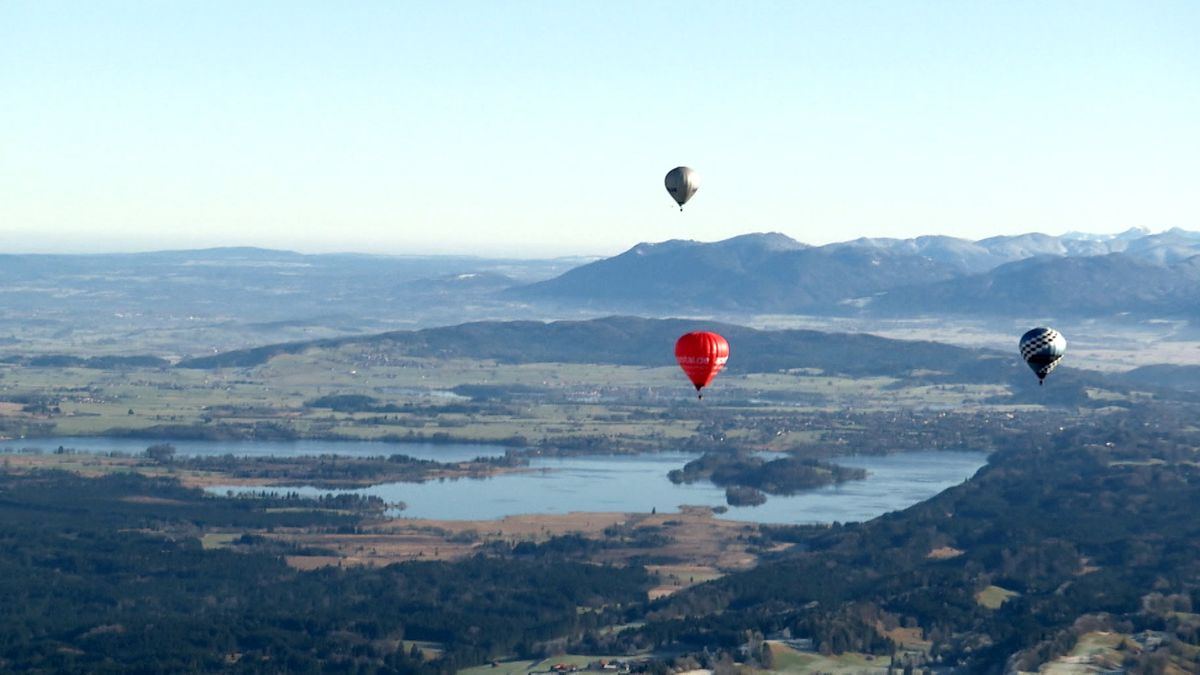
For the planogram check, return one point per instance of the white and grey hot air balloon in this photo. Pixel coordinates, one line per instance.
(1042, 348)
(682, 183)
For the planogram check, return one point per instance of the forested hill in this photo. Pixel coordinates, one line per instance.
(638, 342)
(1096, 520)
(642, 342)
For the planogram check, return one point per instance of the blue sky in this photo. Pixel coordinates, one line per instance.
(545, 128)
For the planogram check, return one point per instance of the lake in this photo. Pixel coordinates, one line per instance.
(639, 484)
(588, 483)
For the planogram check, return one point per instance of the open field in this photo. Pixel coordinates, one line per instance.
(674, 578)
(91, 402)
(631, 408)
(1109, 651)
(212, 540)
(1094, 652)
(789, 660)
(709, 547)
(993, 597)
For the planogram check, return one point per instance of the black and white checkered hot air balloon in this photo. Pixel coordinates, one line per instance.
(1042, 348)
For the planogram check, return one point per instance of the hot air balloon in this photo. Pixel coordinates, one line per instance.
(682, 183)
(1042, 348)
(701, 355)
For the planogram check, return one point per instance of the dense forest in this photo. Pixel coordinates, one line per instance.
(108, 574)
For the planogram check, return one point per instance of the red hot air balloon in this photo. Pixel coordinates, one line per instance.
(701, 355)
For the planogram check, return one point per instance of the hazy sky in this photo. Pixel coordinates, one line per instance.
(545, 128)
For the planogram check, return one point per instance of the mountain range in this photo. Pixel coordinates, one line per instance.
(1071, 275)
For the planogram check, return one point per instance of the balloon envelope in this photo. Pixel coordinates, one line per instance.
(1042, 348)
(701, 355)
(682, 183)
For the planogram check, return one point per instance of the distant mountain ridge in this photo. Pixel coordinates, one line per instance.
(1067, 286)
(1134, 271)
(770, 271)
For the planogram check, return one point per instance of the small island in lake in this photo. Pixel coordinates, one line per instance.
(740, 495)
(748, 478)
